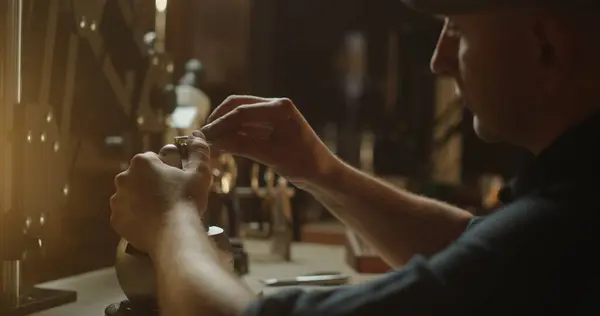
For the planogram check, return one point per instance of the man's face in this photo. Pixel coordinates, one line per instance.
(497, 64)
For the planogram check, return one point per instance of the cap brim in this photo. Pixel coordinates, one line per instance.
(453, 7)
(447, 7)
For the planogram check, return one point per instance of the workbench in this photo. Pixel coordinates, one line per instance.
(98, 289)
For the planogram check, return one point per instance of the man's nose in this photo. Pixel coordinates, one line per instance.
(445, 57)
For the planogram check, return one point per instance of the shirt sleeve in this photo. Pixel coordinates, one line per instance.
(417, 284)
(474, 221)
(492, 256)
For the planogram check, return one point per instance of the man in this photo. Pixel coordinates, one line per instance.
(528, 70)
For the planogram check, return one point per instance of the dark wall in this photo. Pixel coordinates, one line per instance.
(294, 49)
(406, 131)
(65, 190)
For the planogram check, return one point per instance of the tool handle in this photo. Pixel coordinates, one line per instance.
(327, 280)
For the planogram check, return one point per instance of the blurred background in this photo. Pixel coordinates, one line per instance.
(99, 80)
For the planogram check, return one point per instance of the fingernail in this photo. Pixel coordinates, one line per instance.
(198, 134)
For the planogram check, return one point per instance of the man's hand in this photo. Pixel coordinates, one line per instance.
(271, 132)
(151, 188)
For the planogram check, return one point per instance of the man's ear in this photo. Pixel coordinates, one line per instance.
(547, 52)
(556, 50)
(555, 39)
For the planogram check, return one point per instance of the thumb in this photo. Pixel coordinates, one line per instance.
(199, 153)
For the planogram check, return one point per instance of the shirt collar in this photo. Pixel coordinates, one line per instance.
(572, 158)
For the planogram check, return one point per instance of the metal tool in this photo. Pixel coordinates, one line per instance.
(181, 143)
(323, 280)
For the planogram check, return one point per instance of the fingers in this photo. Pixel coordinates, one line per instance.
(231, 103)
(247, 138)
(241, 144)
(114, 202)
(144, 161)
(259, 132)
(170, 155)
(139, 164)
(121, 180)
(266, 114)
(121, 216)
(236, 145)
(140, 161)
(118, 206)
(199, 153)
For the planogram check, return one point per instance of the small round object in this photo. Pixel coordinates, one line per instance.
(169, 154)
(135, 274)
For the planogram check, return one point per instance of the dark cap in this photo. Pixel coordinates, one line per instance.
(446, 7)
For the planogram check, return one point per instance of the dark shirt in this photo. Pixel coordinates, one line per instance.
(534, 255)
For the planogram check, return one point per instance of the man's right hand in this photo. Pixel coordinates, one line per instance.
(271, 132)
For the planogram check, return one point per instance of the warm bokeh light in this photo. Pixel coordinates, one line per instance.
(161, 5)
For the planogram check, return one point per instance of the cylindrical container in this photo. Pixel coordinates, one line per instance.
(10, 282)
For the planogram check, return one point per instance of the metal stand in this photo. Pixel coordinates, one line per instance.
(223, 193)
(14, 242)
(15, 300)
(126, 308)
(232, 226)
(36, 300)
(282, 216)
(277, 195)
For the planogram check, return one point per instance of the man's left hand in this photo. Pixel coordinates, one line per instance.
(150, 188)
